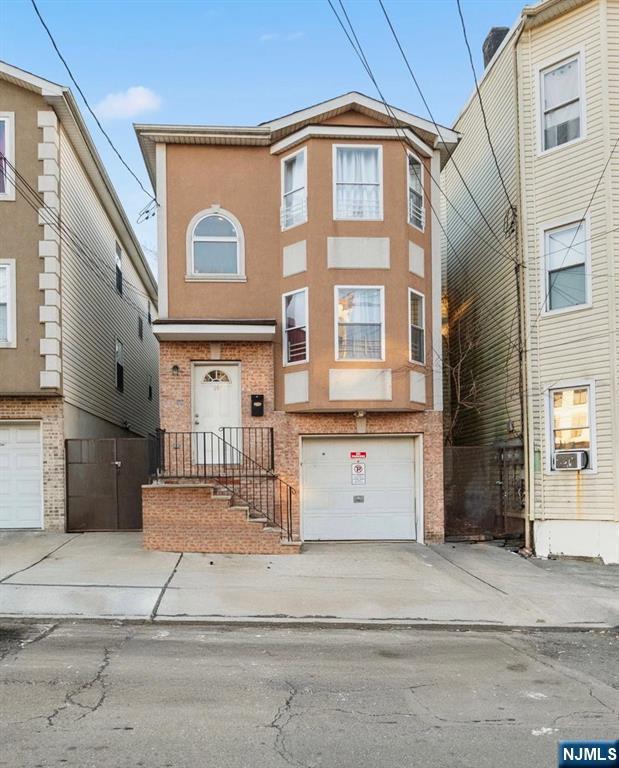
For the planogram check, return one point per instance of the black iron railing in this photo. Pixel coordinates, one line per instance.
(207, 457)
(255, 442)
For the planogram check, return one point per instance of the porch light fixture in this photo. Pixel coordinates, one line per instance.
(175, 370)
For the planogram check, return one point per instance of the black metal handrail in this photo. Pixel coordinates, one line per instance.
(205, 456)
(255, 442)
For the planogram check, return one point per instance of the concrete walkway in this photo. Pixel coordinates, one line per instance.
(101, 575)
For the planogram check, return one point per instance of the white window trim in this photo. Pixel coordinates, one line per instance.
(302, 151)
(539, 72)
(423, 327)
(336, 290)
(423, 202)
(11, 310)
(561, 223)
(9, 117)
(307, 338)
(379, 147)
(192, 276)
(570, 384)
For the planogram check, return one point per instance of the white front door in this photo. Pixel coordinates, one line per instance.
(20, 475)
(217, 404)
(358, 488)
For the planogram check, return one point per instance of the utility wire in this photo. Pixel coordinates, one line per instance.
(361, 55)
(81, 92)
(65, 230)
(578, 225)
(438, 127)
(481, 104)
(437, 217)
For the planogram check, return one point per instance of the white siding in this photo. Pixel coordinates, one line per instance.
(480, 279)
(94, 314)
(558, 185)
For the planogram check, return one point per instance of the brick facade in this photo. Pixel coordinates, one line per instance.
(180, 518)
(257, 376)
(49, 412)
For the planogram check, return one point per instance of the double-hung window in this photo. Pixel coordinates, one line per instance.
(294, 190)
(561, 103)
(417, 326)
(120, 365)
(358, 182)
(360, 322)
(7, 155)
(295, 327)
(566, 263)
(416, 213)
(571, 421)
(7, 304)
(119, 268)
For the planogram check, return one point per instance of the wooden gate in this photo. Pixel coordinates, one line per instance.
(104, 482)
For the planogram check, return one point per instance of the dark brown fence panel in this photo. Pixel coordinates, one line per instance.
(104, 482)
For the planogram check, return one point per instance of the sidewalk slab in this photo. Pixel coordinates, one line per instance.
(20, 549)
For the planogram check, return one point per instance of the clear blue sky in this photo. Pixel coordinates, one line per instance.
(232, 62)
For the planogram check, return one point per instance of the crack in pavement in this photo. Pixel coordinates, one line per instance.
(454, 721)
(280, 722)
(40, 560)
(153, 613)
(28, 641)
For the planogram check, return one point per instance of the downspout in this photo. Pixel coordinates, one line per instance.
(522, 319)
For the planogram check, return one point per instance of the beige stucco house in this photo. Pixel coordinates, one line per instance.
(78, 358)
(541, 289)
(300, 286)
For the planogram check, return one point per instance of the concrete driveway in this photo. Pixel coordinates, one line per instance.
(109, 575)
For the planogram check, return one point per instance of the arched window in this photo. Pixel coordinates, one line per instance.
(216, 376)
(216, 245)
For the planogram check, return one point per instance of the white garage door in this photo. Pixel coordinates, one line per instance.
(20, 475)
(349, 495)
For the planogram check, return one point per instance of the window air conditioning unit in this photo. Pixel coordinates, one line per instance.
(566, 460)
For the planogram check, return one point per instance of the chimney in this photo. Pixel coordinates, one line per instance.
(493, 40)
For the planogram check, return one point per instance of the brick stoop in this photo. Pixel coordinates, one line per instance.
(203, 518)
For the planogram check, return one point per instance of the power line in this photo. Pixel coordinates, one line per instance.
(578, 225)
(481, 105)
(81, 92)
(368, 69)
(437, 126)
(361, 55)
(65, 230)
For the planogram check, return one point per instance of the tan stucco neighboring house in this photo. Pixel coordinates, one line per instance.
(546, 288)
(300, 288)
(78, 358)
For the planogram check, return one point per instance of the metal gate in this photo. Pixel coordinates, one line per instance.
(104, 482)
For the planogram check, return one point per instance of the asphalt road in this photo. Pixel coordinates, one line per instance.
(120, 696)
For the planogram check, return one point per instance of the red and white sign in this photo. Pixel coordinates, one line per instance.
(358, 455)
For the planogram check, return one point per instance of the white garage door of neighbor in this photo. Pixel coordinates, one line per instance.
(20, 475)
(347, 495)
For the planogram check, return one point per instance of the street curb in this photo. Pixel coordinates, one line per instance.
(306, 624)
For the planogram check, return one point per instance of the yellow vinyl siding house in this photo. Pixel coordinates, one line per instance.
(550, 94)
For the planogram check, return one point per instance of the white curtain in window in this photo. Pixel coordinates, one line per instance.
(561, 85)
(359, 324)
(294, 173)
(358, 181)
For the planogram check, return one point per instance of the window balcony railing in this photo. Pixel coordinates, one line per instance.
(294, 211)
(297, 351)
(358, 201)
(416, 211)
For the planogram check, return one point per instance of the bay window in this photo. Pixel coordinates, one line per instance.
(416, 211)
(417, 326)
(561, 103)
(358, 182)
(360, 322)
(295, 327)
(294, 190)
(567, 264)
